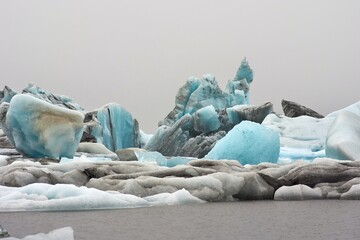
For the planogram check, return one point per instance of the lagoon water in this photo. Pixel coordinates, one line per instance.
(322, 219)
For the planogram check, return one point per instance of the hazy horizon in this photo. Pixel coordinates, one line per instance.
(139, 53)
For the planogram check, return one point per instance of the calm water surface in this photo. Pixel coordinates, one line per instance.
(324, 219)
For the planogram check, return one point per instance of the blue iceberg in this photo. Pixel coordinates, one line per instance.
(114, 127)
(40, 129)
(202, 92)
(248, 143)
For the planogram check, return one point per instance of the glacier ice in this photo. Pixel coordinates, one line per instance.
(7, 94)
(195, 135)
(293, 109)
(56, 99)
(249, 143)
(300, 137)
(343, 138)
(206, 119)
(66, 233)
(113, 126)
(297, 192)
(96, 148)
(354, 108)
(198, 93)
(40, 129)
(66, 197)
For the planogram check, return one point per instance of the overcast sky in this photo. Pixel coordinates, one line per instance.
(138, 53)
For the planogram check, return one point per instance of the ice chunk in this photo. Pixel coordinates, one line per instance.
(66, 197)
(154, 157)
(343, 139)
(293, 109)
(96, 148)
(244, 72)
(179, 197)
(114, 127)
(206, 120)
(59, 100)
(352, 194)
(297, 192)
(40, 129)
(144, 138)
(301, 132)
(249, 143)
(293, 154)
(7, 94)
(66, 233)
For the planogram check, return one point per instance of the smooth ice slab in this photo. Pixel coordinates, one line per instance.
(40, 129)
(248, 143)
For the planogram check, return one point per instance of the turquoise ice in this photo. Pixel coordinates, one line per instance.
(248, 143)
(40, 129)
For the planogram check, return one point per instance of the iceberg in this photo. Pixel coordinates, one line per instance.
(297, 192)
(293, 109)
(195, 135)
(248, 143)
(343, 138)
(300, 137)
(40, 129)
(113, 126)
(66, 197)
(202, 92)
(56, 99)
(7, 94)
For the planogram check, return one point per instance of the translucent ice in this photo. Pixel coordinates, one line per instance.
(206, 119)
(249, 143)
(114, 127)
(40, 129)
(202, 92)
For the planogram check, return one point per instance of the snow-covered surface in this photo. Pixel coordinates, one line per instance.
(66, 233)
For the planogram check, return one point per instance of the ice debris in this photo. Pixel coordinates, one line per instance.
(66, 233)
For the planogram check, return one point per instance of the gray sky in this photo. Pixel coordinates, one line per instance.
(138, 53)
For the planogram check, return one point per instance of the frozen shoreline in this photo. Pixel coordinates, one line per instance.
(315, 219)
